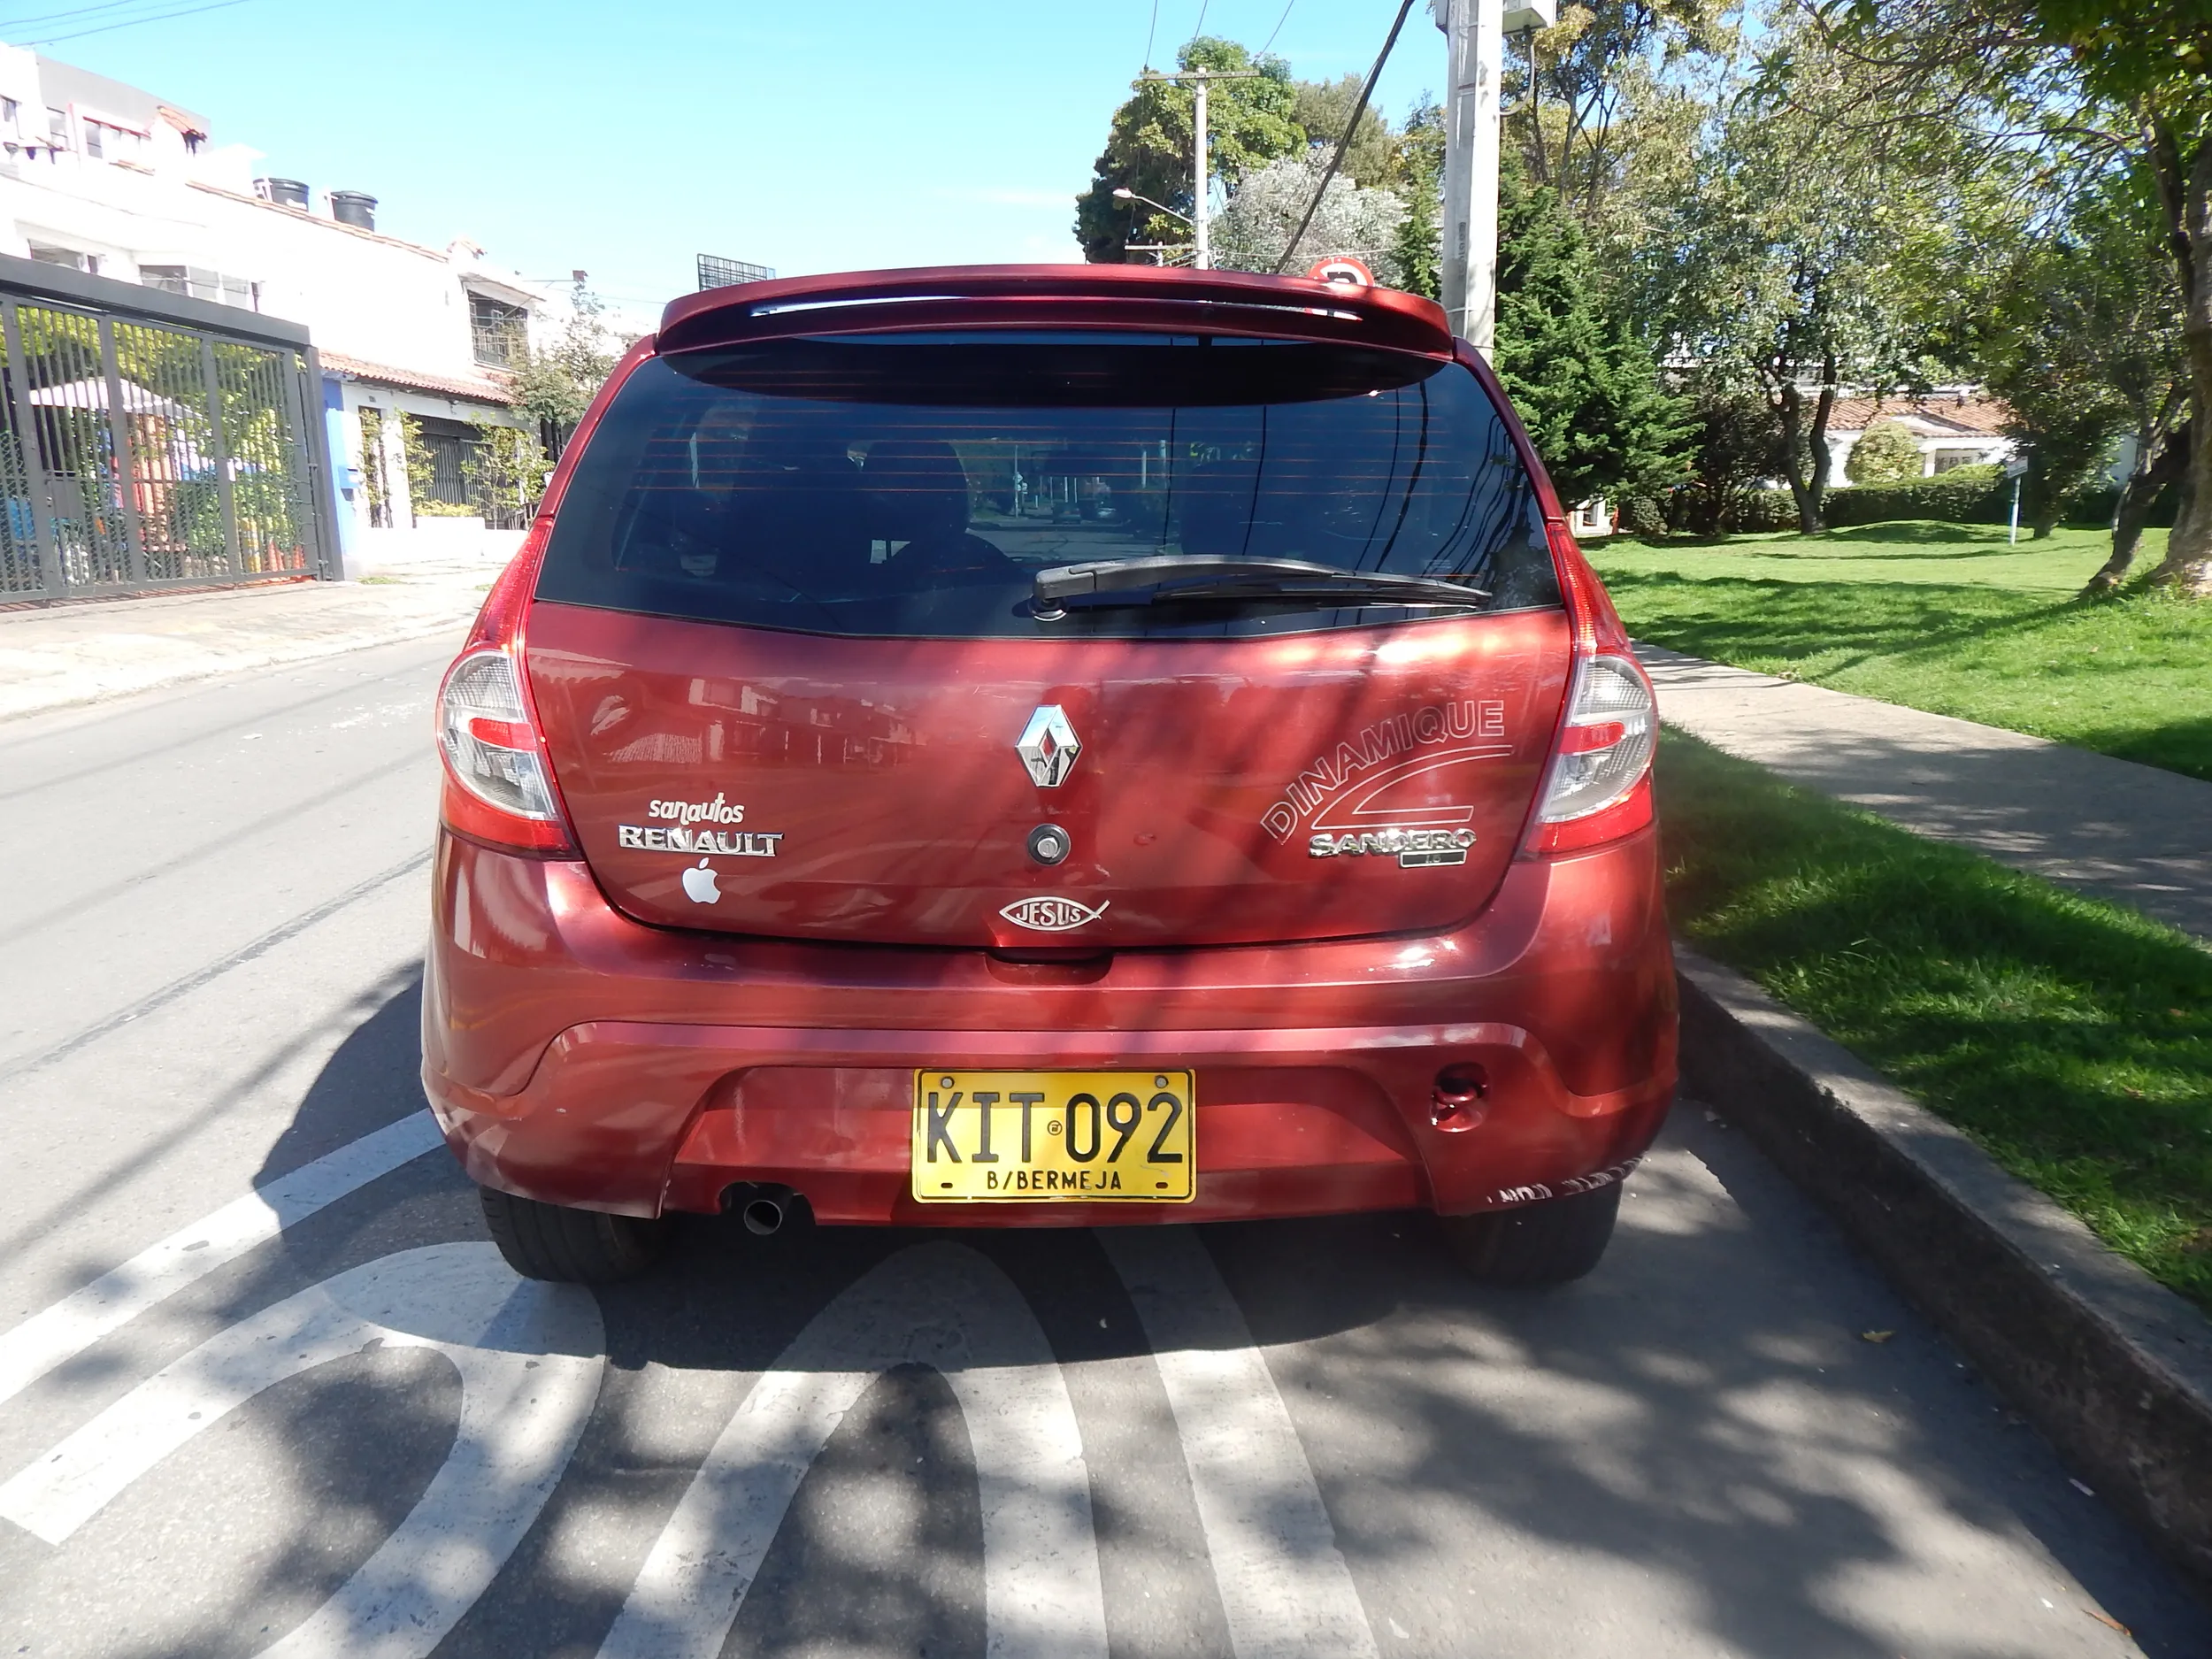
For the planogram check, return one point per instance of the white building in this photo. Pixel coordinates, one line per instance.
(109, 179)
(1954, 426)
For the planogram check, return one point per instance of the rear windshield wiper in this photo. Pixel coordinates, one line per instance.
(1170, 578)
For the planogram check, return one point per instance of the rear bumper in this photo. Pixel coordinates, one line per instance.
(575, 1056)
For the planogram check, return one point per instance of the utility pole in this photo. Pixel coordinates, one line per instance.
(1201, 171)
(1474, 37)
(1202, 246)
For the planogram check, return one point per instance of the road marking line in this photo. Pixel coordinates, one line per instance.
(530, 1357)
(60, 1333)
(941, 1305)
(1283, 1581)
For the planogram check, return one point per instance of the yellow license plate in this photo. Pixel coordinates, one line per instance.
(1027, 1137)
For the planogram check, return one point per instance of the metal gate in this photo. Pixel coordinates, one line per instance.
(143, 450)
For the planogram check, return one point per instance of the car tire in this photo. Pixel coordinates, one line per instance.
(1550, 1242)
(570, 1247)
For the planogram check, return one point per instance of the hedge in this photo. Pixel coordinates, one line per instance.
(1972, 495)
(1767, 510)
(1654, 516)
(2094, 507)
(1965, 495)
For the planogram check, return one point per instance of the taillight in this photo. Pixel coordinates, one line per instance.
(499, 785)
(1599, 786)
(488, 740)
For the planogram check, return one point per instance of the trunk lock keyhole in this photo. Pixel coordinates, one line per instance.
(1049, 844)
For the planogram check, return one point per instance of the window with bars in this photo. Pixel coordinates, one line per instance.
(450, 446)
(498, 331)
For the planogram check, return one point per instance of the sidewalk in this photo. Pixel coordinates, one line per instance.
(55, 656)
(2113, 828)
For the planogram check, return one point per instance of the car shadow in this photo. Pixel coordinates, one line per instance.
(372, 1079)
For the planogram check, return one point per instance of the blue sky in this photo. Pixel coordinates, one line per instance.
(624, 139)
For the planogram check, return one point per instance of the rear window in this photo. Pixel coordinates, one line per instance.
(912, 485)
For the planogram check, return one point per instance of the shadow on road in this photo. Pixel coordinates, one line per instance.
(1698, 1435)
(372, 1079)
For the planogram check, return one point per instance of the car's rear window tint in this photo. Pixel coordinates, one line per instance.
(912, 485)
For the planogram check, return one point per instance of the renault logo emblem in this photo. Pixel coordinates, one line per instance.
(1048, 747)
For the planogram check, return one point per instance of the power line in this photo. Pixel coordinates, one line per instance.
(1277, 29)
(1199, 27)
(66, 14)
(1359, 108)
(1151, 28)
(128, 23)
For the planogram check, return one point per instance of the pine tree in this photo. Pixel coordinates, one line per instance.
(1586, 386)
(1419, 182)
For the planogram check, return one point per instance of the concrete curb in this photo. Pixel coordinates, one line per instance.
(22, 705)
(2114, 1368)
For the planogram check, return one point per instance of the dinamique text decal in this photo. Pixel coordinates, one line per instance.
(1395, 747)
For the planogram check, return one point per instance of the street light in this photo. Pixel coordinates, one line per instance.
(1128, 194)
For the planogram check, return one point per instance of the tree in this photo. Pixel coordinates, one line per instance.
(2157, 467)
(2063, 438)
(2089, 82)
(1323, 109)
(1602, 107)
(1257, 226)
(2081, 332)
(1884, 453)
(1731, 453)
(1796, 262)
(554, 384)
(1584, 385)
(1150, 147)
(1419, 253)
(2150, 62)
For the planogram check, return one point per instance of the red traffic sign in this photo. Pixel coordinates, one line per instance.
(1344, 269)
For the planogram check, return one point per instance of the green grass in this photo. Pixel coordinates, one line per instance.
(2071, 1039)
(1918, 551)
(1945, 617)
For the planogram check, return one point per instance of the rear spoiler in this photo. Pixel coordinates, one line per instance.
(1139, 297)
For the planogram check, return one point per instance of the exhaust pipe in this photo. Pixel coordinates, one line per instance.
(765, 1207)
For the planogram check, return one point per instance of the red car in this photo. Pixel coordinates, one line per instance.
(1048, 747)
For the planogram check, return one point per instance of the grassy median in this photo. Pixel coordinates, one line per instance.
(2071, 1038)
(1945, 617)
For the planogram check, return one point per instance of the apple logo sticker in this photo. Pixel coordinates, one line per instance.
(699, 884)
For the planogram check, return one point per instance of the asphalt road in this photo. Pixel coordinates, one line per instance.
(265, 1388)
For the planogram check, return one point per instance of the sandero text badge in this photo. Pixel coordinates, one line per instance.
(1051, 915)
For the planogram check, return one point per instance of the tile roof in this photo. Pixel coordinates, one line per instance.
(476, 389)
(1981, 417)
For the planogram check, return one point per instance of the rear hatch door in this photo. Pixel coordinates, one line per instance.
(1357, 781)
